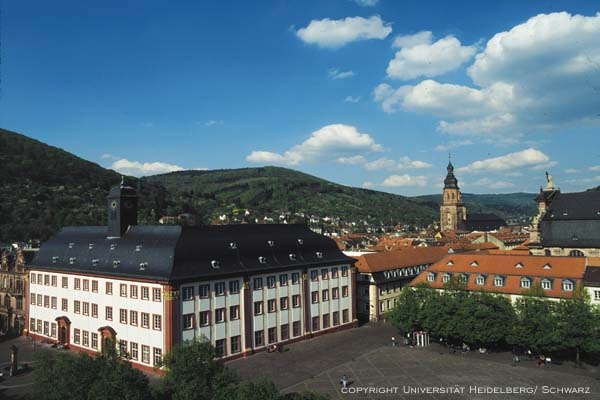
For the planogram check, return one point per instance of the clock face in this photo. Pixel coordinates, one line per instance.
(113, 205)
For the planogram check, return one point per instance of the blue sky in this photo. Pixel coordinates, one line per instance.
(364, 93)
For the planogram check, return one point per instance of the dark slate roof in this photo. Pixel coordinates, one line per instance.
(450, 182)
(178, 253)
(575, 233)
(591, 276)
(89, 243)
(483, 222)
(574, 206)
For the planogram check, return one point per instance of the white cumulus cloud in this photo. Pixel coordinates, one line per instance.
(403, 163)
(419, 56)
(335, 73)
(352, 160)
(541, 74)
(351, 99)
(336, 140)
(366, 3)
(520, 159)
(328, 33)
(404, 180)
(136, 168)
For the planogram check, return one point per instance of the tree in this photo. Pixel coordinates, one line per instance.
(66, 376)
(407, 315)
(535, 325)
(194, 372)
(577, 327)
(484, 319)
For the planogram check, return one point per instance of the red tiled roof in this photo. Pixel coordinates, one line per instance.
(376, 262)
(491, 265)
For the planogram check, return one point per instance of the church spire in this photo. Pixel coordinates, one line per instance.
(450, 182)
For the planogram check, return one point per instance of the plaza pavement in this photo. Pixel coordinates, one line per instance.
(365, 355)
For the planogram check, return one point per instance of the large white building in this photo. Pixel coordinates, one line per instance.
(145, 288)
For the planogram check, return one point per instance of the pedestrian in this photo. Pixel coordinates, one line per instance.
(542, 361)
(529, 354)
(393, 341)
(344, 381)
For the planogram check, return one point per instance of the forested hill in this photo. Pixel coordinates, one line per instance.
(43, 188)
(272, 190)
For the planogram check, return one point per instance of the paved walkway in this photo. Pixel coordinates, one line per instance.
(366, 357)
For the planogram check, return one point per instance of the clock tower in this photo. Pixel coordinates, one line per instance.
(452, 211)
(122, 209)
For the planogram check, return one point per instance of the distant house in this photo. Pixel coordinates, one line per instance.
(509, 275)
(591, 280)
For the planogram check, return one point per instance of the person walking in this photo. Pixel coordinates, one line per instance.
(344, 381)
(393, 341)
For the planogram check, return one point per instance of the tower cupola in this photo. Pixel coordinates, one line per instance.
(122, 209)
(450, 182)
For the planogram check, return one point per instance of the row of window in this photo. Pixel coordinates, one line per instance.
(314, 274)
(525, 283)
(130, 350)
(45, 328)
(85, 308)
(125, 290)
(204, 317)
(188, 292)
(335, 294)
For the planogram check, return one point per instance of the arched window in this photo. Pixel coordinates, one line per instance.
(576, 253)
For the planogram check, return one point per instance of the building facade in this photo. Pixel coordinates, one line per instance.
(145, 288)
(508, 275)
(381, 276)
(12, 290)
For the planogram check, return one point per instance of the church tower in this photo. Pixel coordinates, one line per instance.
(452, 210)
(122, 209)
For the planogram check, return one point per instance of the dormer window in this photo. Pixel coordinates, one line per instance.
(233, 246)
(450, 263)
(271, 243)
(262, 260)
(525, 283)
(567, 285)
(463, 278)
(95, 262)
(215, 264)
(55, 259)
(72, 260)
(431, 277)
(143, 266)
(446, 278)
(293, 257)
(300, 242)
(499, 281)
(480, 280)
(546, 284)
(116, 263)
(547, 266)
(71, 245)
(319, 254)
(519, 265)
(138, 247)
(90, 246)
(474, 264)
(113, 246)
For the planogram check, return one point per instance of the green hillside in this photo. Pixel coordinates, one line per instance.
(44, 188)
(269, 191)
